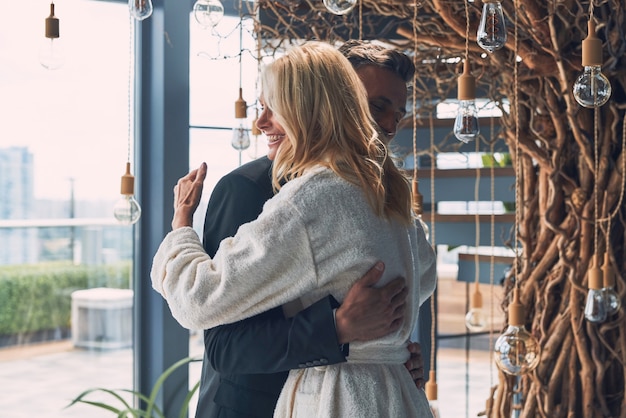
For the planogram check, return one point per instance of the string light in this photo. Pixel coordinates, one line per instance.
(612, 298)
(140, 9)
(340, 7)
(241, 138)
(127, 210)
(466, 127)
(491, 34)
(51, 54)
(592, 88)
(516, 351)
(208, 13)
(595, 304)
(475, 319)
(431, 383)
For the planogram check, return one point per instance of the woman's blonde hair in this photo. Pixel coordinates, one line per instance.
(319, 100)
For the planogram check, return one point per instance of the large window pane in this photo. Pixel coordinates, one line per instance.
(63, 148)
(214, 85)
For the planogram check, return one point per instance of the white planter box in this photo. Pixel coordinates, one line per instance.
(102, 318)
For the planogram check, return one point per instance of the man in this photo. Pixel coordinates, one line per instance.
(246, 363)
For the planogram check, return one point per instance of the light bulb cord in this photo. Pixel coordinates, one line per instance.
(492, 259)
(467, 29)
(414, 99)
(360, 20)
(129, 96)
(596, 175)
(518, 168)
(618, 206)
(477, 219)
(240, 43)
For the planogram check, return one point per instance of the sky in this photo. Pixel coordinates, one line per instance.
(75, 119)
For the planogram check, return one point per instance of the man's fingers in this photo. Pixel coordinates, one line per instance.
(399, 298)
(394, 287)
(415, 349)
(415, 364)
(372, 276)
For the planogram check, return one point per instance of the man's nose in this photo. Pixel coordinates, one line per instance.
(388, 126)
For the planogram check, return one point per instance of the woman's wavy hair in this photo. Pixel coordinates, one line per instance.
(319, 100)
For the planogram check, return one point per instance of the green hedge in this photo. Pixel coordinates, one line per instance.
(37, 297)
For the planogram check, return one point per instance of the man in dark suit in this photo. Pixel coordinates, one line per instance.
(246, 363)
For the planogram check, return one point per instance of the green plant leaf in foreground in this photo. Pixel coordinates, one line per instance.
(151, 409)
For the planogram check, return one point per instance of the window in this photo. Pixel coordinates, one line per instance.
(63, 148)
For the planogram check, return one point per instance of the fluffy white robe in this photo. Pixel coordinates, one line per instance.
(316, 237)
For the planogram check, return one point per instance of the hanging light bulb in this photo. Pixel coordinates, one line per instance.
(592, 88)
(613, 302)
(208, 13)
(491, 34)
(256, 148)
(516, 351)
(466, 123)
(51, 54)
(241, 138)
(431, 394)
(476, 319)
(340, 7)
(127, 211)
(140, 9)
(595, 306)
(418, 208)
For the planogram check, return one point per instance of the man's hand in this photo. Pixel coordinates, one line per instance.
(415, 364)
(367, 312)
(187, 194)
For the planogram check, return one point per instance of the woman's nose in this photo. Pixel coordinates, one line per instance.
(261, 122)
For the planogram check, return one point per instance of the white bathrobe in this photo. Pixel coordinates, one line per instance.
(316, 237)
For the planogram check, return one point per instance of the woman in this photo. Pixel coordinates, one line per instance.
(341, 206)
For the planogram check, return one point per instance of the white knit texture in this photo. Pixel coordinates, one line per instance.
(316, 237)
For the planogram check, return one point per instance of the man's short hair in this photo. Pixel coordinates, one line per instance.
(361, 53)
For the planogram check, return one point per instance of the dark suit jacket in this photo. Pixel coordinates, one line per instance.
(246, 363)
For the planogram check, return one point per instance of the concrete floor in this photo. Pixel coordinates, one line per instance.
(41, 380)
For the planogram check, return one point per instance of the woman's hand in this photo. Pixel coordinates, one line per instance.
(187, 194)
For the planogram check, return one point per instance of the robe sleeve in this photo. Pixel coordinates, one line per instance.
(267, 263)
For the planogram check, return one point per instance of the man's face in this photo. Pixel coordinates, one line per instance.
(386, 95)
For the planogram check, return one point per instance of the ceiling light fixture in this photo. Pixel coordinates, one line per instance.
(592, 88)
(51, 54)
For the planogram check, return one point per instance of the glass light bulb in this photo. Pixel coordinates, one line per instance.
(340, 7)
(592, 88)
(51, 55)
(612, 300)
(127, 210)
(595, 306)
(491, 34)
(241, 137)
(424, 226)
(516, 351)
(466, 127)
(140, 9)
(476, 319)
(208, 13)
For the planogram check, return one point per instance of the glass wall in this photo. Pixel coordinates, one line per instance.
(214, 86)
(65, 262)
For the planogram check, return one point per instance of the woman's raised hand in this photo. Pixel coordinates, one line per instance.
(187, 194)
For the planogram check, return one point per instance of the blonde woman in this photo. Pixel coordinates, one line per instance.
(341, 206)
